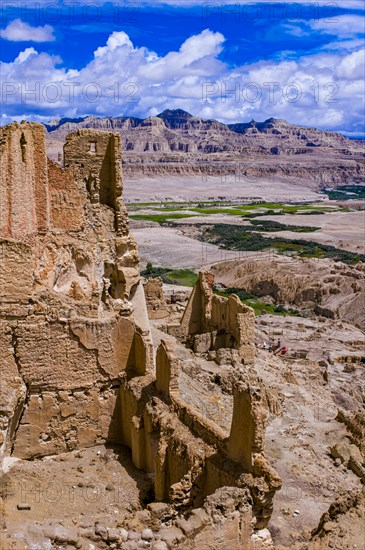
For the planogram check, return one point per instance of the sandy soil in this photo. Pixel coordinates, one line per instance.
(340, 229)
(74, 489)
(300, 433)
(195, 188)
(166, 246)
(169, 246)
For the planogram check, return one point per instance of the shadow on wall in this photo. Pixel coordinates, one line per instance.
(108, 176)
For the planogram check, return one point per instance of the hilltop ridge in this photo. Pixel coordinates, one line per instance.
(176, 142)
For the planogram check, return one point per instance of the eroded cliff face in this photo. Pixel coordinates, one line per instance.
(334, 289)
(177, 143)
(69, 288)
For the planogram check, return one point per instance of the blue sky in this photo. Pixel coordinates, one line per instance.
(298, 60)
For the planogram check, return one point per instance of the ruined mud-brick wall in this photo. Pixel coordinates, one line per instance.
(72, 308)
(213, 322)
(189, 456)
(96, 159)
(24, 204)
(66, 199)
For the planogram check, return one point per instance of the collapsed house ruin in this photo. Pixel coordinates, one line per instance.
(77, 360)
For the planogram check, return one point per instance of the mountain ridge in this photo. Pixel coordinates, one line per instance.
(169, 115)
(176, 142)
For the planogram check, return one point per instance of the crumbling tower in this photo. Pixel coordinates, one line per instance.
(95, 158)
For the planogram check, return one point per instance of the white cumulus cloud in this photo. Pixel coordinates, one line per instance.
(343, 26)
(18, 31)
(324, 90)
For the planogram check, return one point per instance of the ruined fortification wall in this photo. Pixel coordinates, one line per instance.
(16, 272)
(213, 322)
(189, 456)
(77, 364)
(88, 156)
(96, 159)
(72, 309)
(67, 199)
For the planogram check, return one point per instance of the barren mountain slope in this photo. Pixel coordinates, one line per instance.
(176, 142)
